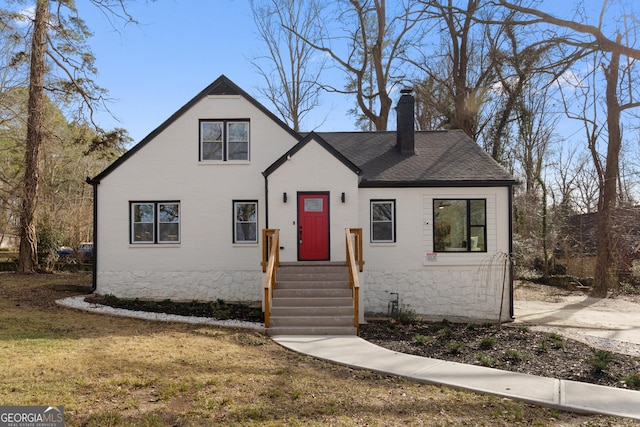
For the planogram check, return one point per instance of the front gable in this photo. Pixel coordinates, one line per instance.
(312, 167)
(223, 90)
(312, 137)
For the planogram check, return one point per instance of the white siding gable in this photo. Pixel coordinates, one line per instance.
(313, 169)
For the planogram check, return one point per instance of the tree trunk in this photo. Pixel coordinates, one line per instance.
(28, 259)
(606, 277)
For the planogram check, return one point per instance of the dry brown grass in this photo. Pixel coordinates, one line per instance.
(109, 371)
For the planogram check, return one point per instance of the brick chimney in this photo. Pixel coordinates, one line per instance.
(405, 112)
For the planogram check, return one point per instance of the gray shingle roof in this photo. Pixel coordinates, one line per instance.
(442, 158)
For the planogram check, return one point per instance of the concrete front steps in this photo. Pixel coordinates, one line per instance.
(312, 298)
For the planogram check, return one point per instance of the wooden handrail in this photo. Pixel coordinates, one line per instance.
(270, 262)
(355, 263)
(267, 240)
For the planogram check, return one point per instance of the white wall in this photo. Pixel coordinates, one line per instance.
(206, 262)
(452, 285)
(313, 168)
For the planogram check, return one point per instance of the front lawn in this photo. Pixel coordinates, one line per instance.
(109, 371)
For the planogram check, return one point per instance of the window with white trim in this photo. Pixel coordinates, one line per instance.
(383, 221)
(460, 225)
(155, 222)
(224, 140)
(245, 221)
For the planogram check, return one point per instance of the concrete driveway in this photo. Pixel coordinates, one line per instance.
(613, 319)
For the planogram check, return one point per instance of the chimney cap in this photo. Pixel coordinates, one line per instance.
(406, 91)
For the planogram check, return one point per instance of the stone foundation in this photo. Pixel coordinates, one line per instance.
(460, 292)
(240, 286)
(436, 293)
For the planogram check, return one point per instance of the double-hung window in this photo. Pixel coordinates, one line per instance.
(383, 221)
(460, 225)
(245, 221)
(155, 222)
(224, 140)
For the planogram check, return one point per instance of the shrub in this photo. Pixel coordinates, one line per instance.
(422, 339)
(446, 332)
(487, 343)
(48, 241)
(633, 381)
(407, 317)
(221, 309)
(628, 289)
(392, 326)
(634, 271)
(455, 347)
(554, 339)
(489, 362)
(600, 360)
(110, 298)
(516, 356)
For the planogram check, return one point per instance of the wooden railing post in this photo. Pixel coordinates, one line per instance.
(353, 244)
(270, 263)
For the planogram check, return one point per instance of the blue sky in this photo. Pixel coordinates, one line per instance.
(179, 48)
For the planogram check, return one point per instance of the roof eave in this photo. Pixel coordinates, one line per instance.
(437, 183)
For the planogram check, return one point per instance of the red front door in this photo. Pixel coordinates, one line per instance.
(313, 226)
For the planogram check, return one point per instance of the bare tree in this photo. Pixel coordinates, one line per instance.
(535, 127)
(293, 67)
(464, 63)
(433, 104)
(377, 43)
(591, 37)
(524, 72)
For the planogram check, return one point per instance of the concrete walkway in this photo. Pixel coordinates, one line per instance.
(550, 392)
(612, 320)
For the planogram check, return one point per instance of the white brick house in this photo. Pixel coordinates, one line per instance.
(179, 215)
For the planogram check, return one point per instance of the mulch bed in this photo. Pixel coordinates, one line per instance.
(508, 347)
(215, 309)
